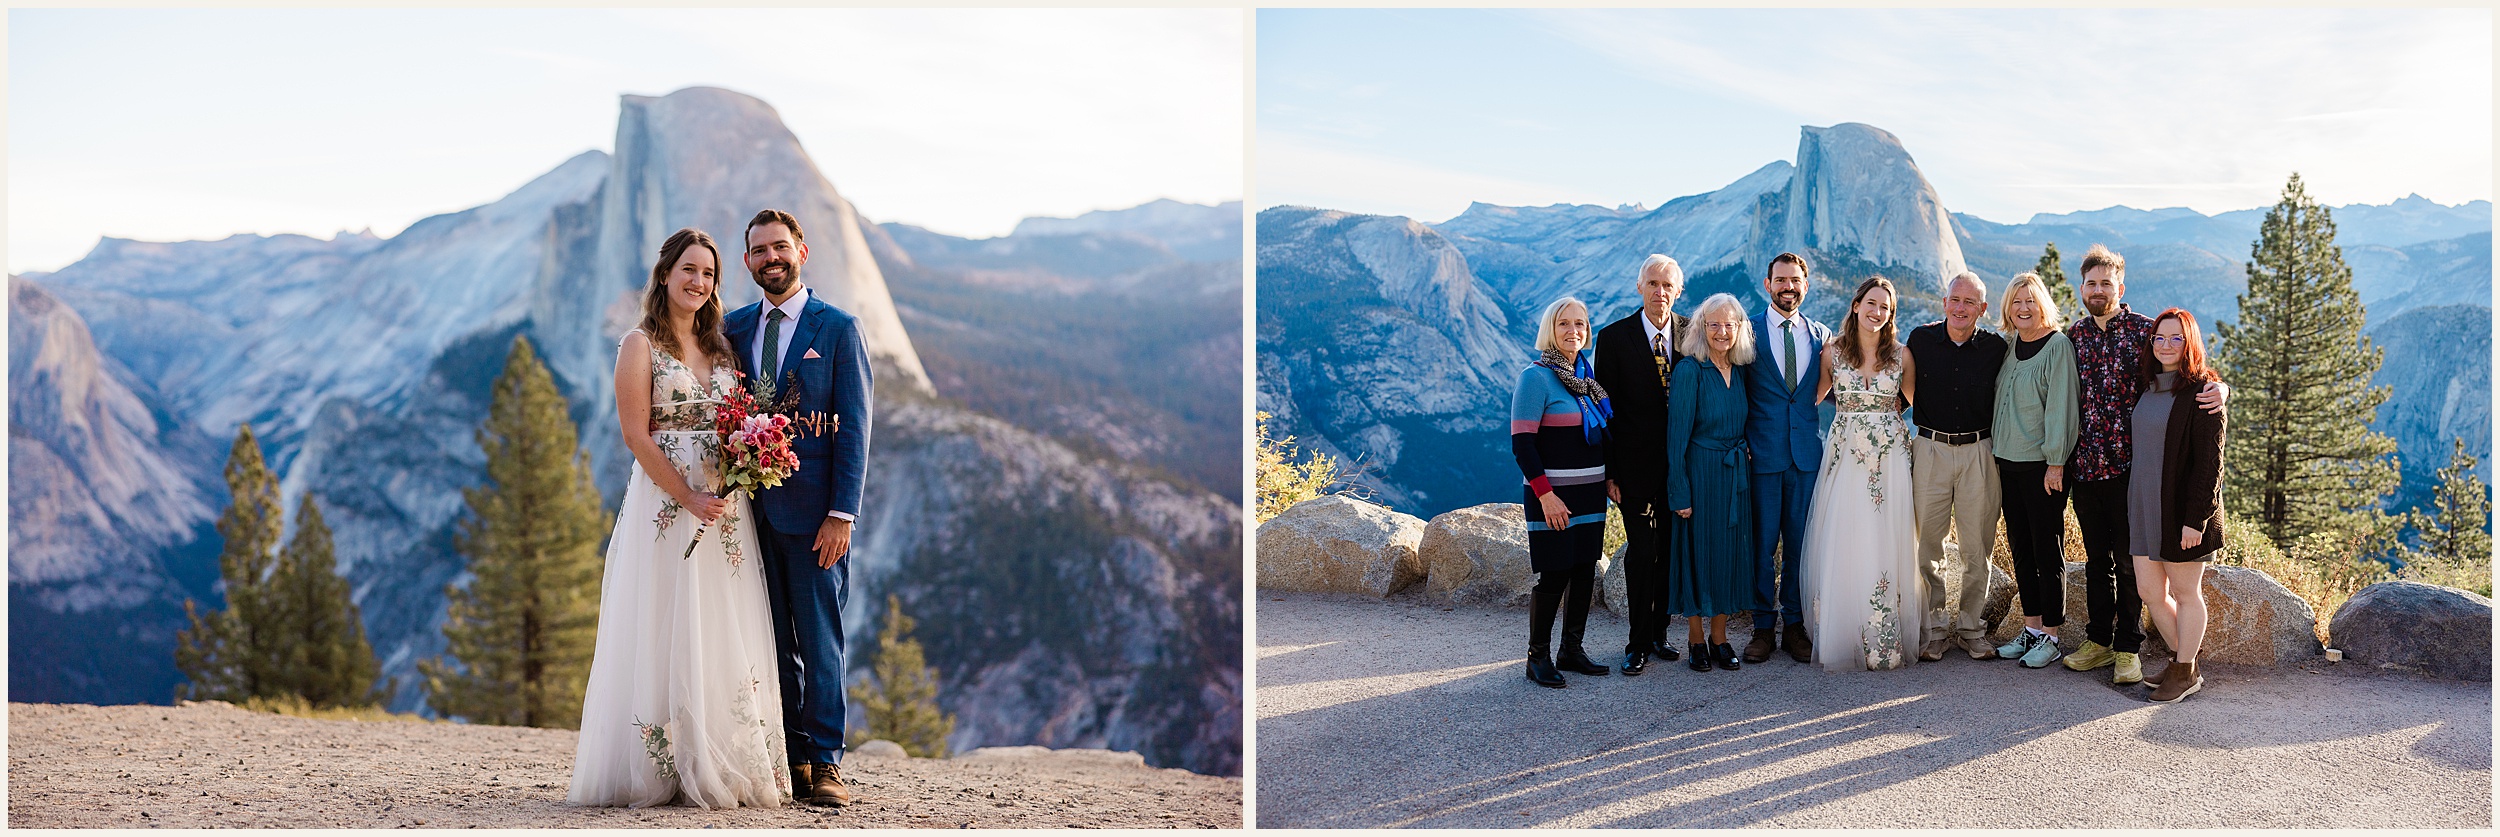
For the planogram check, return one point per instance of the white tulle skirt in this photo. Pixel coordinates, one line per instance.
(684, 704)
(1862, 596)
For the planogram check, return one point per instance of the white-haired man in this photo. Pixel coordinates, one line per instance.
(1633, 356)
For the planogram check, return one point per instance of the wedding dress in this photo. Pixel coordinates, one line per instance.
(683, 704)
(1861, 556)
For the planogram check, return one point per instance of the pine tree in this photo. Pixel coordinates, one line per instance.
(2460, 508)
(2301, 457)
(2053, 275)
(522, 631)
(233, 655)
(902, 705)
(327, 660)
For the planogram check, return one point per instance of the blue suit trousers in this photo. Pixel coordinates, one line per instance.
(807, 626)
(1780, 502)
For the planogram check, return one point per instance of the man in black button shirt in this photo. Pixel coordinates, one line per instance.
(1953, 465)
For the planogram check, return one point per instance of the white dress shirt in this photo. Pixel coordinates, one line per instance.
(1651, 332)
(790, 309)
(1797, 335)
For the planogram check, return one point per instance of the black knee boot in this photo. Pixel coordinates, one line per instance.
(1541, 605)
(1575, 608)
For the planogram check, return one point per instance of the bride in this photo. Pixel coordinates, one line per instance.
(684, 704)
(1861, 575)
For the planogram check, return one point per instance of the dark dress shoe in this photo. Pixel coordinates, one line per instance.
(1725, 654)
(1764, 639)
(1577, 661)
(1635, 662)
(827, 786)
(1663, 651)
(1796, 644)
(1541, 671)
(1701, 658)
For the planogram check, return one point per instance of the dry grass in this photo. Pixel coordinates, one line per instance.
(296, 707)
(2463, 575)
(2323, 568)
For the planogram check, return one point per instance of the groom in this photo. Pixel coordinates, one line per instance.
(1785, 428)
(793, 339)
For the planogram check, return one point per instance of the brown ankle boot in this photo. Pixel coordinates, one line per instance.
(799, 780)
(2177, 682)
(827, 787)
(1764, 640)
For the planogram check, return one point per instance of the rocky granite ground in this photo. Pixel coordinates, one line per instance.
(207, 765)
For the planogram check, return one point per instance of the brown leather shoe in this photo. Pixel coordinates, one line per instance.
(798, 781)
(1795, 642)
(825, 787)
(2177, 682)
(1764, 639)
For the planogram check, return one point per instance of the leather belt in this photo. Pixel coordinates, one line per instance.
(1953, 438)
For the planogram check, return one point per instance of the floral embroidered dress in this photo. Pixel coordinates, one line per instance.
(1861, 559)
(683, 704)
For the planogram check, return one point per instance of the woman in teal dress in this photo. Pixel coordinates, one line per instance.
(1710, 562)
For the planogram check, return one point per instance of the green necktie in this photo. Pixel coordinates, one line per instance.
(1788, 346)
(772, 351)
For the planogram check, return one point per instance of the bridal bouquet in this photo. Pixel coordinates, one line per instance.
(754, 449)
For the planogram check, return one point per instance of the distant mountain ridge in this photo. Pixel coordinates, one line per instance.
(364, 364)
(1360, 356)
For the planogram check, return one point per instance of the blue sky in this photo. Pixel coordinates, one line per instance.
(183, 124)
(2007, 112)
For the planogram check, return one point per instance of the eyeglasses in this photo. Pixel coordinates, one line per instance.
(1719, 326)
(2159, 340)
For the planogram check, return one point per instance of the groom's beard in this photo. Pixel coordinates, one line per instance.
(777, 285)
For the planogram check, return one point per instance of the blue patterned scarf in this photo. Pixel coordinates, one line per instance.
(1580, 380)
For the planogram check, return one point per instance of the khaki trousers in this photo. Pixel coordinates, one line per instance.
(1956, 486)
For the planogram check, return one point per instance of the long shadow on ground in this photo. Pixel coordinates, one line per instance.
(1396, 713)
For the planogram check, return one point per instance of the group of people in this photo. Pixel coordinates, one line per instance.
(1737, 494)
(716, 680)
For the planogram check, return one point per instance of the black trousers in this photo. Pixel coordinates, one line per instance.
(2113, 611)
(2035, 532)
(1570, 590)
(1645, 571)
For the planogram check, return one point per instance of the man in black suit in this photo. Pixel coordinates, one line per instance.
(1633, 357)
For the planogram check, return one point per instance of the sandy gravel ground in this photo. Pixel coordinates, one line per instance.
(212, 765)
(1399, 713)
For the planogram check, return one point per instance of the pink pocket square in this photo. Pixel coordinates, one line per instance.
(810, 353)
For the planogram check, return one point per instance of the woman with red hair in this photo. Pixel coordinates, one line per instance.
(2174, 515)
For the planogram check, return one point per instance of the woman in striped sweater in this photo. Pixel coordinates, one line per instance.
(1558, 432)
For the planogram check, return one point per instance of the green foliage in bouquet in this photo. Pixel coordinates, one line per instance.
(520, 635)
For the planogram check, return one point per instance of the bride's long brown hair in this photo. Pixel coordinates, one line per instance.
(1887, 350)
(655, 320)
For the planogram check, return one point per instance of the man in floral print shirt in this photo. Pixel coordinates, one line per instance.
(2109, 347)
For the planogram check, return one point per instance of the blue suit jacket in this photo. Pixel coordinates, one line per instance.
(833, 465)
(1784, 427)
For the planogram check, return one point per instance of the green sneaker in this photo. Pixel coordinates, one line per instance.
(2091, 656)
(2019, 646)
(2043, 652)
(2130, 669)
